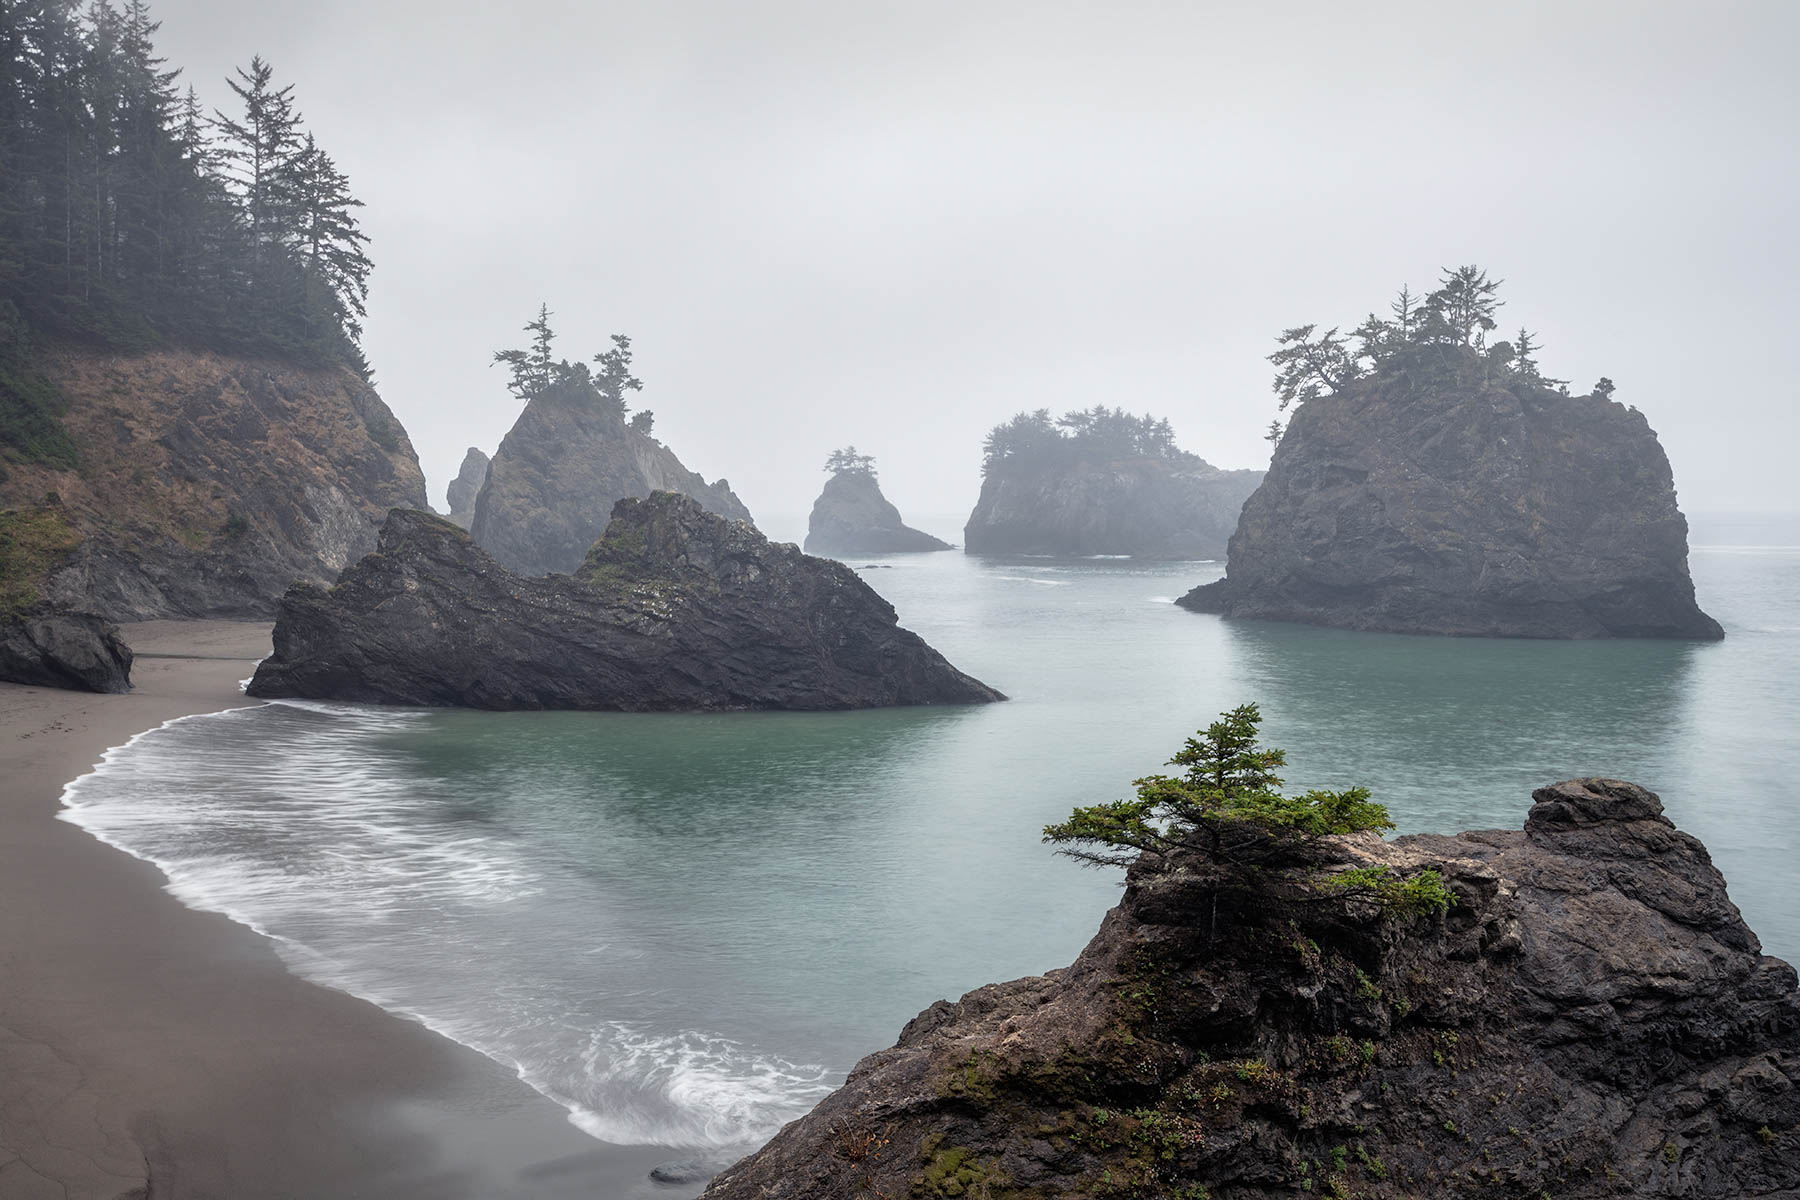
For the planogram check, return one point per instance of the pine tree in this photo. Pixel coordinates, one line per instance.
(258, 148)
(533, 369)
(329, 239)
(614, 378)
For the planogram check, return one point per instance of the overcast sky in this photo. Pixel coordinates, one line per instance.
(896, 225)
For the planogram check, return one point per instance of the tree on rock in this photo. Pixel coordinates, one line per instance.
(848, 462)
(1226, 809)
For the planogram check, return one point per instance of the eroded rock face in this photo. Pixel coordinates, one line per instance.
(552, 484)
(208, 484)
(1479, 511)
(461, 493)
(675, 609)
(1145, 508)
(1591, 1019)
(47, 647)
(851, 516)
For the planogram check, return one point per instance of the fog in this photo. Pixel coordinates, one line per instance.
(896, 225)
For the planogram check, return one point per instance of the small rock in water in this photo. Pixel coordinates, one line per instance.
(687, 1170)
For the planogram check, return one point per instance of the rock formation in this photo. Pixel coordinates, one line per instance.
(1590, 1019)
(461, 493)
(675, 609)
(1146, 508)
(851, 516)
(569, 458)
(46, 647)
(1476, 509)
(207, 484)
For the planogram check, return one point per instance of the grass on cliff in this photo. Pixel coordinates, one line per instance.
(31, 406)
(32, 542)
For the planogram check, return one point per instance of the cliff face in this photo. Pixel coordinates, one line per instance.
(554, 480)
(461, 493)
(1590, 1019)
(1142, 507)
(851, 516)
(208, 484)
(1479, 510)
(675, 609)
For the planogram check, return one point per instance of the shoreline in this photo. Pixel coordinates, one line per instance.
(150, 1048)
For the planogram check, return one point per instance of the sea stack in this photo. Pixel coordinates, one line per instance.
(461, 493)
(851, 516)
(1590, 1019)
(1442, 486)
(569, 458)
(675, 609)
(1101, 482)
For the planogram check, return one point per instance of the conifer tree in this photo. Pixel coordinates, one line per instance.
(257, 149)
(614, 377)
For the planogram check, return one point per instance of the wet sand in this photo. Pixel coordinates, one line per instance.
(149, 1049)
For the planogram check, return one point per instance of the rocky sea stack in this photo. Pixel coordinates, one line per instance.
(675, 609)
(46, 647)
(1435, 484)
(1101, 482)
(1590, 1018)
(569, 458)
(461, 493)
(851, 516)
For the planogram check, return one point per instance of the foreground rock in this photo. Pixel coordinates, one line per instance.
(1470, 509)
(1591, 1019)
(208, 483)
(1145, 508)
(47, 647)
(851, 516)
(675, 609)
(569, 458)
(461, 493)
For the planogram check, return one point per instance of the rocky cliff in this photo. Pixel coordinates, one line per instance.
(207, 484)
(1146, 508)
(1590, 1019)
(851, 516)
(1470, 509)
(675, 608)
(461, 493)
(554, 480)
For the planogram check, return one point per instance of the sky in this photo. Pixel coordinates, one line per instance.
(895, 225)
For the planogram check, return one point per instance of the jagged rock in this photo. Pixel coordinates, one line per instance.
(569, 458)
(461, 493)
(851, 516)
(1146, 508)
(1590, 1019)
(1476, 510)
(685, 1170)
(208, 483)
(47, 647)
(674, 609)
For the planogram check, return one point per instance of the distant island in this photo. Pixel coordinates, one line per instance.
(1101, 481)
(575, 451)
(1433, 480)
(851, 516)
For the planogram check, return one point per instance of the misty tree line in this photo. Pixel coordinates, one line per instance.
(133, 217)
(1438, 340)
(536, 371)
(1033, 439)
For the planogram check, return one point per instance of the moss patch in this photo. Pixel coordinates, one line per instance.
(33, 541)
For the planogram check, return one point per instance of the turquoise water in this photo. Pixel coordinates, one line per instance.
(686, 929)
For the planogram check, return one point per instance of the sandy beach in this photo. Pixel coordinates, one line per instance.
(150, 1050)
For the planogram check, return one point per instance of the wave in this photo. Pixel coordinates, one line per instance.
(315, 825)
(1029, 579)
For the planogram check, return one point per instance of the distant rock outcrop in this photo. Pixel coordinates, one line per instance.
(851, 516)
(1145, 508)
(675, 609)
(1479, 509)
(569, 458)
(47, 647)
(207, 484)
(1591, 1019)
(461, 493)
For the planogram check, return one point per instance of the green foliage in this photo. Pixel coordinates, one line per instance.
(1421, 894)
(30, 404)
(1098, 434)
(642, 421)
(536, 370)
(848, 462)
(32, 542)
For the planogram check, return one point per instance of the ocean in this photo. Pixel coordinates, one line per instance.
(687, 929)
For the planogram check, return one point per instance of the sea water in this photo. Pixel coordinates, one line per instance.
(686, 929)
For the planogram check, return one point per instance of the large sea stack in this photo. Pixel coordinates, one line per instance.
(1591, 1018)
(1101, 482)
(569, 458)
(1444, 487)
(200, 484)
(675, 609)
(461, 493)
(851, 516)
